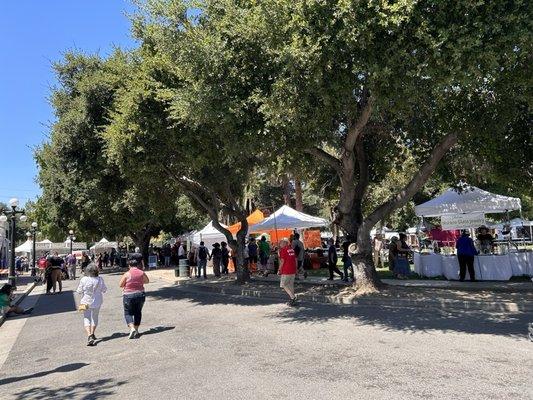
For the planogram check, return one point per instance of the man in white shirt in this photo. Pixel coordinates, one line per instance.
(299, 250)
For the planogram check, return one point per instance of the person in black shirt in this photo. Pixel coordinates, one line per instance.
(332, 261)
(225, 257)
(54, 277)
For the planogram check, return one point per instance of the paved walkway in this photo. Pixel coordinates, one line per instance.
(204, 346)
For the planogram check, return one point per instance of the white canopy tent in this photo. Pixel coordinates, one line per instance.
(102, 245)
(209, 235)
(470, 200)
(288, 218)
(25, 247)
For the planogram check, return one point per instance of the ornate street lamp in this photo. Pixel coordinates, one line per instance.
(11, 215)
(33, 234)
(72, 238)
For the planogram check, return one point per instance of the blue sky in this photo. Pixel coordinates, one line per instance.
(33, 34)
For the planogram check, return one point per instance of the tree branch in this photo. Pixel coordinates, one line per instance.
(415, 184)
(362, 183)
(328, 158)
(355, 130)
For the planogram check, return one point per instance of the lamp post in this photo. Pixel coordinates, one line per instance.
(72, 238)
(33, 234)
(11, 215)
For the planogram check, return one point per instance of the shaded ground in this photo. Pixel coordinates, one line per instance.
(202, 346)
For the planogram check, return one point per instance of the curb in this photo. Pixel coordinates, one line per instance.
(444, 304)
(19, 299)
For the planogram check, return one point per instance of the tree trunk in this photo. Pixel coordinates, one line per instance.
(286, 184)
(366, 277)
(299, 204)
(142, 241)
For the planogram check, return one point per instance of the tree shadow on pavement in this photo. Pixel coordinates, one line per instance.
(407, 319)
(63, 368)
(206, 298)
(100, 388)
(55, 304)
(413, 319)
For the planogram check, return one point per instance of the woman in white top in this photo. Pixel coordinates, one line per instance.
(91, 288)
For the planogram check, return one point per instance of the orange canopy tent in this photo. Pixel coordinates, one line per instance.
(256, 217)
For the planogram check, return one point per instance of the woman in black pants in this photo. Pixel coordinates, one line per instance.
(132, 284)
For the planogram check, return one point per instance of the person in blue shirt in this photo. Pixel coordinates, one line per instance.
(465, 254)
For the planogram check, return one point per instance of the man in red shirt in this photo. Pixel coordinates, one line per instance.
(287, 269)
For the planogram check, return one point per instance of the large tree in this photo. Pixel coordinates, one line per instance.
(359, 85)
(82, 188)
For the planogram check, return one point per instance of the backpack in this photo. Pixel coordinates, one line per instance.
(202, 253)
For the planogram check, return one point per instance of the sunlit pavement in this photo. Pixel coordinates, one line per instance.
(202, 346)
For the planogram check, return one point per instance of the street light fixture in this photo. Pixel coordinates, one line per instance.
(72, 238)
(33, 234)
(12, 216)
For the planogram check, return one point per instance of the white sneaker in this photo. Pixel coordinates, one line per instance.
(132, 334)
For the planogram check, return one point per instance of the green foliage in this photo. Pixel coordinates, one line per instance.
(83, 188)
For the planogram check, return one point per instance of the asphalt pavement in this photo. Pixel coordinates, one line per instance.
(209, 346)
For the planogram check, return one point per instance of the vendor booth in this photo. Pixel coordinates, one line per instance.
(103, 245)
(209, 235)
(466, 209)
(284, 220)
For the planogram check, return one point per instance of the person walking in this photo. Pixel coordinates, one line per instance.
(287, 270)
(91, 288)
(99, 261)
(299, 251)
(216, 256)
(252, 254)
(332, 260)
(132, 284)
(347, 262)
(85, 260)
(71, 262)
(264, 253)
(224, 257)
(202, 254)
(55, 266)
(105, 259)
(465, 255)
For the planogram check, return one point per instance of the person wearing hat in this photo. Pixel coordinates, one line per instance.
(465, 254)
(132, 284)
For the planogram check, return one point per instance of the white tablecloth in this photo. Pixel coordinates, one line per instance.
(520, 263)
(450, 267)
(493, 268)
(488, 268)
(431, 265)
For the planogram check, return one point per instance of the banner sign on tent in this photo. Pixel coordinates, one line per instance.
(462, 221)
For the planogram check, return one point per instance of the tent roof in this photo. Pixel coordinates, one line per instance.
(45, 241)
(209, 235)
(254, 218)
(288, 218)
(471, 200)
(25, 247)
